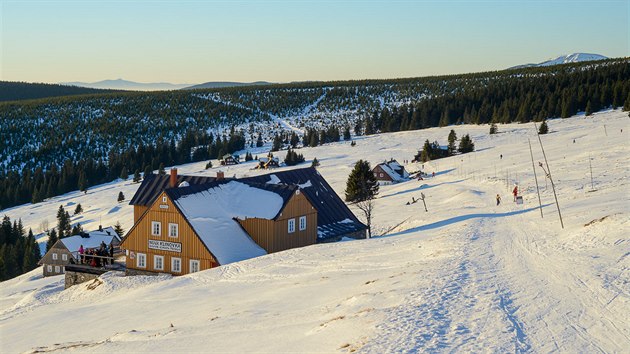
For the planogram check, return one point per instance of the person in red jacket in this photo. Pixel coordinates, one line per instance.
(515, 192)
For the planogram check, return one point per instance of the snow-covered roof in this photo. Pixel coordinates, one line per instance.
(94, 240)
(394, 170)
(211, 213)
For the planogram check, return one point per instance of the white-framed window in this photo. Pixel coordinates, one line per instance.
(49, 268)
(156, 228)
(176, 265)
(291, 224)
(55, 256)
(164, 199)
(375, 174)
(57, 270)
(141, 260)
(64, 257)
(194, 265)
(173, 230)
(158, 262)
(62, 269)
(302, 223)
(381, 175)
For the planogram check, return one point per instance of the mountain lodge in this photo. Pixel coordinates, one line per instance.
(184, 224)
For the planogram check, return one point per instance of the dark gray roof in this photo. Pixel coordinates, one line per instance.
(334, 218)
(152, 185)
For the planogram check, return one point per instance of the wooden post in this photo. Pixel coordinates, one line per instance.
(548, 171)
(423, 202)
(535, 177)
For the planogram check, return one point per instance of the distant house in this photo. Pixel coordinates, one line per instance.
(268, 162)
(229, 159)
(390, 172)
(65, 251)
(210, 222)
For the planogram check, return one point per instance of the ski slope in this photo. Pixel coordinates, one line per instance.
(466, 276)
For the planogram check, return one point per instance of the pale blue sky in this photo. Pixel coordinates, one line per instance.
(282, 41)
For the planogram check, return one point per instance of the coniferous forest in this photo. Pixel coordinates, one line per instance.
(55, 145)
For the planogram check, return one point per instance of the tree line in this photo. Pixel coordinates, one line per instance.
(19, 251)
(35, 186)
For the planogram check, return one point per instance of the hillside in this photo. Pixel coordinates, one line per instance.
(468, 276)
(15, 91)
(63, 144)
(221, 84)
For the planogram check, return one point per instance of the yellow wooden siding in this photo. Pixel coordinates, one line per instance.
(274, 236)
(138, 210)
(192, 248)
(261, 231)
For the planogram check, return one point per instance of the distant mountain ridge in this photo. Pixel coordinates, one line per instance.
(15, 90)
(120, 84)
(220, 84)
(564, 59)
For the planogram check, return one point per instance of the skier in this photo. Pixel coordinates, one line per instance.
(501, 156)
(498, 199)
(515, 192)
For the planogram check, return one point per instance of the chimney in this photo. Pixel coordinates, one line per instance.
(100, 227)
(173, 180)
(220, 175)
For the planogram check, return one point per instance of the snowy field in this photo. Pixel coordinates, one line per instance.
(467, 276)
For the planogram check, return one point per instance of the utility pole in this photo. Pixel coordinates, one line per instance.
(535, 177)
(548, 172)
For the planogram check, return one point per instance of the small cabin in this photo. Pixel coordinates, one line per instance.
(66, 250)
(229, 159)
(390, 172)
(268, 162)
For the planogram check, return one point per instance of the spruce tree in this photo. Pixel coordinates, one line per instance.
(452, 137)
(121, 197)
(52, 239)
(136, 176)
(589, 109)
(361, 184)
(315, 162)
(466, 144)
(82, 183)
(119, 229)
(148, 171)
(493, 128)
(161, 171)
(78, 209)
(543, 129)
(259, 141)
(427, 151)
(124, 174)
(346, 133)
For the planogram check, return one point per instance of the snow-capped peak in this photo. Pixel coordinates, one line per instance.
(565, 59)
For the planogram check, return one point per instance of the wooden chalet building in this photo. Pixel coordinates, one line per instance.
(390, 172)
(268, 162)
(229, 159)
(65, 251)
(185, 224)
